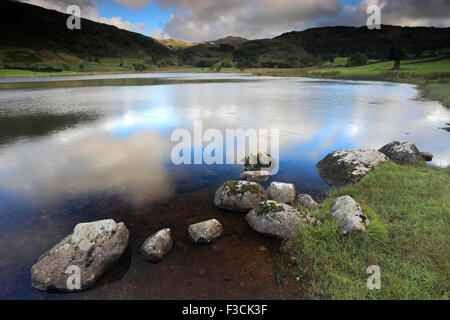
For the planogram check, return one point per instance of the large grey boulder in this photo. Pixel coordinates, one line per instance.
(402, 152)
(239, 196)
(281, 192)
(307, 201)
(348, 214)
(277, 219)
(205, 231)
(157, 245)
(89, 251)
(342, 167)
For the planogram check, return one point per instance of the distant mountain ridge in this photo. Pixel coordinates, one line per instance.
(34, 28)
(30, 34)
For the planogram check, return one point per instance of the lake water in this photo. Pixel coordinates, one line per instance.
(76, 149)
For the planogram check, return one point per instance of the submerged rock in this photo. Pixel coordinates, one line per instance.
(342, 167)
(277, 219)
(426, 156)
(239, 196)
(348, 214)
(402, 152)
(307, 201)
(205, 231)
(281, 192)
(91, 249)
(256, 176)
(258, 167)
(157, 245)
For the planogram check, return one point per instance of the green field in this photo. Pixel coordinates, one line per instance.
(408, 237)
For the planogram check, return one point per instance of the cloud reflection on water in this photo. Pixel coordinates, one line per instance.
(128, 148)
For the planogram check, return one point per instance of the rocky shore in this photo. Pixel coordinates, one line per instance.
(80, 259)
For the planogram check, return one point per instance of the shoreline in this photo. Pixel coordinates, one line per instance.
(431, 85)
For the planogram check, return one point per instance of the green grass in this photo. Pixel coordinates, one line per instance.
(11, 73)
(408, 237)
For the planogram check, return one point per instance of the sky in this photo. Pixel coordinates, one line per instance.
(203, 20)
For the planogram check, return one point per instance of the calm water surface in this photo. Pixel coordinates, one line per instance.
(75, 149)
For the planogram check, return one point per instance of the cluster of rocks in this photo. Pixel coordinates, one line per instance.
(80, 259)
(268, 211)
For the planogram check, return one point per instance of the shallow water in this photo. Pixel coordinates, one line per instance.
(76, 149)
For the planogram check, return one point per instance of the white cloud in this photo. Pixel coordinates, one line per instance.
(89, 11)
(158, 34)
(135, 4)
(199, 20)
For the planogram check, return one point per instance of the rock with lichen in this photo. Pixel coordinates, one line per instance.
(278, 219)
(402, 152)
(343, 167)
(86, 254)
(348, 214)
(239, 196)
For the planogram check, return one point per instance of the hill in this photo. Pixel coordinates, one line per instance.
(174, 44)
(31, 34)
(230, 40)
(317, 45)
(37, 39)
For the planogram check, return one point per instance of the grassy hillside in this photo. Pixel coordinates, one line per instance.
(408, 237)
(31, 35)
(322, 46)
(174, 44)
(37, 40)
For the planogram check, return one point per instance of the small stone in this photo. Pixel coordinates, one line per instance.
(348, 214)
(205, 231)
(239, 196)
(281, 192)
(157, 245)
(262, 248)
(202, 272)
(256, 176)
(307, 201)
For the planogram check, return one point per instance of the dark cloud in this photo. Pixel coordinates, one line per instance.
(199, 20)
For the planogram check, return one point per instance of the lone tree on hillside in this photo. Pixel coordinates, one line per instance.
(396, 54)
